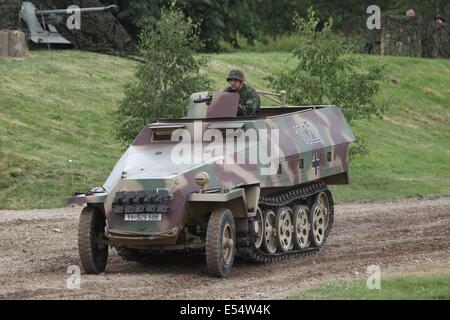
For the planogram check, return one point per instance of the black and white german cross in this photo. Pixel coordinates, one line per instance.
(316, 163)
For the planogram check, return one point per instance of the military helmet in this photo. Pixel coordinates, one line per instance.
(236, 74)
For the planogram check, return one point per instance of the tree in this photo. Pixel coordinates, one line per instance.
(137, 14)
(210, 17)
(166, 79)
(328, 74)
(218, 20)
(223, 20)
(241, 19)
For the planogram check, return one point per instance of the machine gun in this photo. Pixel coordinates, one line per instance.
(208, 100)
(39, 25)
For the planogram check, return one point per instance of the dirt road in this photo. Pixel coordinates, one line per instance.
(38, 246)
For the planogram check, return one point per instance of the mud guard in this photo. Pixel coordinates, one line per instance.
(235, 200)
(242, 202)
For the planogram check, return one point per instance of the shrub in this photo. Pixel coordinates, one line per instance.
(167, 77)
(327, 73)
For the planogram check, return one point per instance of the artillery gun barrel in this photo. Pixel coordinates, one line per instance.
(82, 10)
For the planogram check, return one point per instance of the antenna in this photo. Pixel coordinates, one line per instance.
(71, 169)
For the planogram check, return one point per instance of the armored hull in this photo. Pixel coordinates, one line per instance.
(227, 186)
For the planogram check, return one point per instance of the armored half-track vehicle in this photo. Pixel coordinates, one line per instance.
(223, 185)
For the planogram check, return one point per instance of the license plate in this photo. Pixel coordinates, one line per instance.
(143, 217)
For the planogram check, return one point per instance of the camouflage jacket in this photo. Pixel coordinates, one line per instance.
(249, 103)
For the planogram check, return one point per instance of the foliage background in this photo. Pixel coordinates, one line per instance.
(167, 77)
(224, 22)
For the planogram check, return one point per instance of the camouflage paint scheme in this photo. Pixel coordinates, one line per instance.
(147, 165)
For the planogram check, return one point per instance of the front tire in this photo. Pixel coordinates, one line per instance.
(220, 243)
(93, 252)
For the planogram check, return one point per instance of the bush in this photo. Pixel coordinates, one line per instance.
(328, 74)
(167, 77)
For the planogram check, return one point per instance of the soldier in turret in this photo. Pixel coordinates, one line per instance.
(249, 102)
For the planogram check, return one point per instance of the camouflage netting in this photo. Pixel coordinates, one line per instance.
(409, 36)
(9, 14)
(436, 43)
(100, 31)
(402, 36)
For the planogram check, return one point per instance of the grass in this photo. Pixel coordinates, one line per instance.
(55, 108)
(409, 147)
(59, 106)
(436, 287)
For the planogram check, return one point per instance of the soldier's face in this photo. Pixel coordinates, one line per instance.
(235, 84)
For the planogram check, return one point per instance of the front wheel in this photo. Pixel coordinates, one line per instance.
(220, 243)
(93, 251)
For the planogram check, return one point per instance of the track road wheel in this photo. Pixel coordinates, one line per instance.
(301, 227)
(284, 229)
(258, 228)
(220, 243)
(270, 232)
(93, 252)
(323, 201)
(318, 225)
